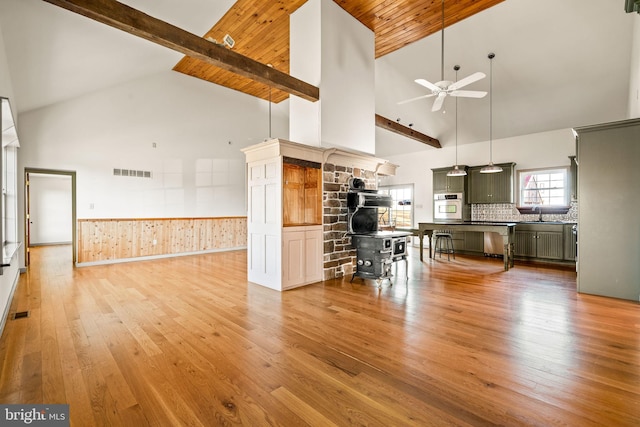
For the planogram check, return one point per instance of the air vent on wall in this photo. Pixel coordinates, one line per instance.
(131, 172)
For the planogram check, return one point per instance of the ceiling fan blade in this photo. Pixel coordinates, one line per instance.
(428, 85)
(437, 104)
(467, 80)
(468, 93)
(406, 101)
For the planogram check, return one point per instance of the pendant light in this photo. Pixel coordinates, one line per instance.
(491, 168)
(456, 171)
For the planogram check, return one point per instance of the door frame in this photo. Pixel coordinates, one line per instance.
(42, 171)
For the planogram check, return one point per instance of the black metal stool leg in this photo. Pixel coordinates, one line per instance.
(448, 244)
(453, 250)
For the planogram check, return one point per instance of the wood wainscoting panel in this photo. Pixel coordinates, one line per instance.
(117, 239)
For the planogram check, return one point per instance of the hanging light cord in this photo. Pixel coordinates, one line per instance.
(491, 168)
(456, 124)
(456, 171)
(491, 109)
(270, 112)
(442, 46)
(270, 66)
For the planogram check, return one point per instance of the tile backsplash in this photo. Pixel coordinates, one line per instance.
(508, 212)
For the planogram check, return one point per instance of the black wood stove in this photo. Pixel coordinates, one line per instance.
(376, 250)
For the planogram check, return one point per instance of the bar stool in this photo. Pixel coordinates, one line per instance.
(443, 237)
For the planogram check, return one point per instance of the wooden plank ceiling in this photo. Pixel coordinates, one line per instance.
(261, 32)
(399, 23)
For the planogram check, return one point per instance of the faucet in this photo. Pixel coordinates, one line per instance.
(539, 208)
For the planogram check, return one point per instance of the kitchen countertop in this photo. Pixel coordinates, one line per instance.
(547, 222)
(505, 229)
(489, 222)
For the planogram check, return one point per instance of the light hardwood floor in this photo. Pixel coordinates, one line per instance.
(188, 341)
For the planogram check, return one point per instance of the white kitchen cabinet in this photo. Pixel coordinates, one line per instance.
(264, 223)
(281, 256)
(301, 250)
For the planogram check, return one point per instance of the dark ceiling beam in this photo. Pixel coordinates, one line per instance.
(132, 21)
(396, 127)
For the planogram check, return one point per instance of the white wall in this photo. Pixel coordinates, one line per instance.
(50, 209)
(528, 152)
(348, 81)
(333, 50)
(197, 128)
(197, 166)
(306, 36)
(634, 83)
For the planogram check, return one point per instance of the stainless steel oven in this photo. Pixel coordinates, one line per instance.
(448, 206)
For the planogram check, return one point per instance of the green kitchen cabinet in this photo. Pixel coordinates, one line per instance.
(492, 187)
(458, 240)
(524, 243)
(543, 241)
(550, 245)
(573, 178)
(608, 179)
(474, 241)
(570, 244)
(448, 184)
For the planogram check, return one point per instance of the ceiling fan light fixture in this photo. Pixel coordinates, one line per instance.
(445, 87)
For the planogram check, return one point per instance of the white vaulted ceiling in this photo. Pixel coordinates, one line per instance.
(558, 63)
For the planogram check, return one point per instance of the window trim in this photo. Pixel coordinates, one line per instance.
(547, 209)
(8, 183)
(387, 188)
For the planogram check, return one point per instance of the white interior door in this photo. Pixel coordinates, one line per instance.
(50, 209)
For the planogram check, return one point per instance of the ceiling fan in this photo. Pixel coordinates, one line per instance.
(445, 87)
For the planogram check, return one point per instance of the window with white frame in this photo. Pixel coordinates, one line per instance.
(8, 177)
(543, 187)
(400, 214)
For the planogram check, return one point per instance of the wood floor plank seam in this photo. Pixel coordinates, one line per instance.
(189, 341)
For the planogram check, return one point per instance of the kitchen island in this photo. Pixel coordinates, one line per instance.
(505, 229)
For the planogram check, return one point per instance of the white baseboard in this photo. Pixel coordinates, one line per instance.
(50, 243)
(5, 314)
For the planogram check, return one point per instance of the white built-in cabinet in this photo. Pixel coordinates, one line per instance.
(264, 223)
(282, 256)
(301, 250)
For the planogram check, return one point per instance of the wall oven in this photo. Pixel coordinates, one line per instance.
(448, 207)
